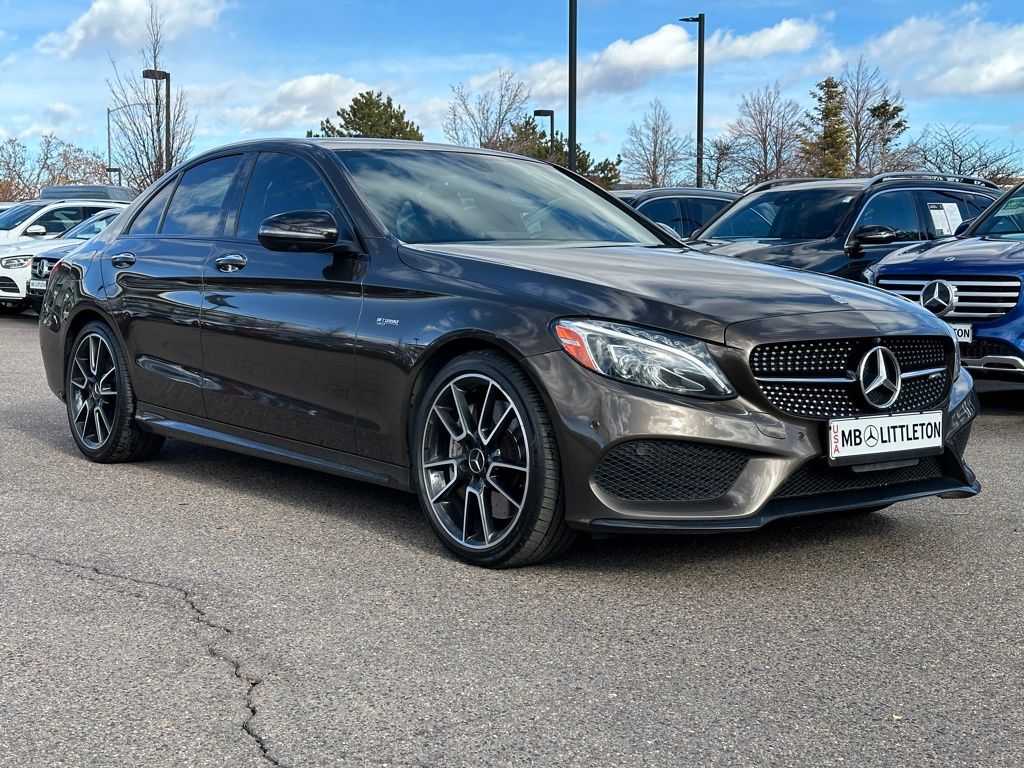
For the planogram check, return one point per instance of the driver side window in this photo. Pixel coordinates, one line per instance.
(281, 183)
(895, 210)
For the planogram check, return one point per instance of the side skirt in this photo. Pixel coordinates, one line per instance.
(196, 430)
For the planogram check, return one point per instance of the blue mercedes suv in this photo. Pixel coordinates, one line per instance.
(973, 282)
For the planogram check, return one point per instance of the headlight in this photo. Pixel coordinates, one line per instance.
(648, 358)
(15, 262)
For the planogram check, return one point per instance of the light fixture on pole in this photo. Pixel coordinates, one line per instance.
(550, 114)
(699, 20)
(159, 74)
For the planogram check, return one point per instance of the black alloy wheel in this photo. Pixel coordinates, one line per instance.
(487, 464)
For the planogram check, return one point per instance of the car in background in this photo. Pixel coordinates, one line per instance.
(18, 272)
(973, 282)
(47, 219)
(49, 252)
(4, 206)
(489, 332)
(842, 226)
(682, 209)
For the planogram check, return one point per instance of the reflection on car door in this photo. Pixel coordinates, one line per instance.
(279, 332)
(154, 277)
(664, 210)
(897, 210)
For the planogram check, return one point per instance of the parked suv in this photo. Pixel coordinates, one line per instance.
(487, 331)
(16, 259)
(974, 283)
(683, 209)
(42, 219)
(842, 226)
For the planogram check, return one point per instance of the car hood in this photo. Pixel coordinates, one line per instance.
(957, 255)
(31, 245)
(672, 288)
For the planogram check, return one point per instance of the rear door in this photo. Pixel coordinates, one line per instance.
(154, 274)
(279, 329)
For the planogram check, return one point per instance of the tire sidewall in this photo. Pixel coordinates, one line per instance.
(541, 469)
(120, 415)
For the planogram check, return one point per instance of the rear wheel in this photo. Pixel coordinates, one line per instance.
(487, 468)
(101, 402)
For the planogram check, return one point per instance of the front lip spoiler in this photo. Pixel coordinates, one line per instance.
(797, 507)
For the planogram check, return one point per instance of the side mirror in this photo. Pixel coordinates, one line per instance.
(962, 227)
(875, 234)
(36, 230)
(313, 230)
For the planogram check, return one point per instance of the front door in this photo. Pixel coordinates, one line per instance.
(279, 328)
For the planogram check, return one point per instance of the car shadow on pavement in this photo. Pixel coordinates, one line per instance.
(999, 397)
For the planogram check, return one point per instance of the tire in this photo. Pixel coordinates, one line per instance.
(486, 464)
(9, 307)
(100, 400)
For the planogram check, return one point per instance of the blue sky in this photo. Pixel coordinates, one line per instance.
(256, 67)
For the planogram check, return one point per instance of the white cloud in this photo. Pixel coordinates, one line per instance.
(59, 113)
(626, 65)
(954, 55)
(299, 103)
(123, 23)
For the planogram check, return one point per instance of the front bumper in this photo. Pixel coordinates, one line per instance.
(14, 282)
(782, 472)
(997, 351)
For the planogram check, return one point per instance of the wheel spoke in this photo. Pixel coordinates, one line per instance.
(485, 411)
(501, 424)
(448, 425)
(450, 483)
(94, 354)
(462, 408)
(497, 486)
(96, 422)
(82, 403)
(506, 465)
(78, 364)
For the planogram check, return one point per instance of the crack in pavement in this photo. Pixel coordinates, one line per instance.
(200, 617)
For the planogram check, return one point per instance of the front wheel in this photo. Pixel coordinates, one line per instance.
(101, 402)
(487, 468)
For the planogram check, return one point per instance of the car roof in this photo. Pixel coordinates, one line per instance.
(923, 179)
(356, 143)
(43, 202)
(649, 194)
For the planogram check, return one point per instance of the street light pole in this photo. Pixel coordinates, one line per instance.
(159, 74)
(699, 19)
(572, 85)
(550, 114)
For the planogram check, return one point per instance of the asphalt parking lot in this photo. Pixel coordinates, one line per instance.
(209, 609)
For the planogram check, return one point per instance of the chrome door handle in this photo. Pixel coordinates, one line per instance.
(232, 262)
(123, 260)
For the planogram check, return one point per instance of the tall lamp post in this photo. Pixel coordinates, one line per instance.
(159, 74)
(572, 85)
(550, 114)
(110, 111)
(699, 20)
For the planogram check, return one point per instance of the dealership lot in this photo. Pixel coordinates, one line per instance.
(212, 609)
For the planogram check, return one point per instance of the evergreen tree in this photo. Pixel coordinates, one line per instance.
(528, 139)
(370, 115)
(825, 146)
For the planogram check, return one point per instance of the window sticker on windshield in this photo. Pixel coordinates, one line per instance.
(1012, 204)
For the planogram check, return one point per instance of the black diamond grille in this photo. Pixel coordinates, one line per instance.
(959, 440)
(669, 470)
(817, 477)
(839, 359)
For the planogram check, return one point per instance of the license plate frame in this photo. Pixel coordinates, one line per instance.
(851, 441)
(37, 285)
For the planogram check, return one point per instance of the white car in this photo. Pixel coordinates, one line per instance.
(16, 257)
(47, 219)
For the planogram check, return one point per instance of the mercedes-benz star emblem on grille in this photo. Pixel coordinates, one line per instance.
(880, 377)
(939, 297)
(39, 268)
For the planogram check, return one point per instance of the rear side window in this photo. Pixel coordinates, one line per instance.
(946, 209)
(148, 220)
(280, 183)
(664, 211)
(895, 210)
(978, 204)
(698, 211)
(198, 202)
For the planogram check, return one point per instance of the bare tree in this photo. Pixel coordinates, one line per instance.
(958, 149)
(654, 153)
(138, 122)
(23, 173)
(721, 162)
(766, 135)
(487, 118)
(874, 115)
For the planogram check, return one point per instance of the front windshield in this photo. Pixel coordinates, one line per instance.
(432, 196)
(12, 217)
(781, 214)
(89, 228)
(1006, 221)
